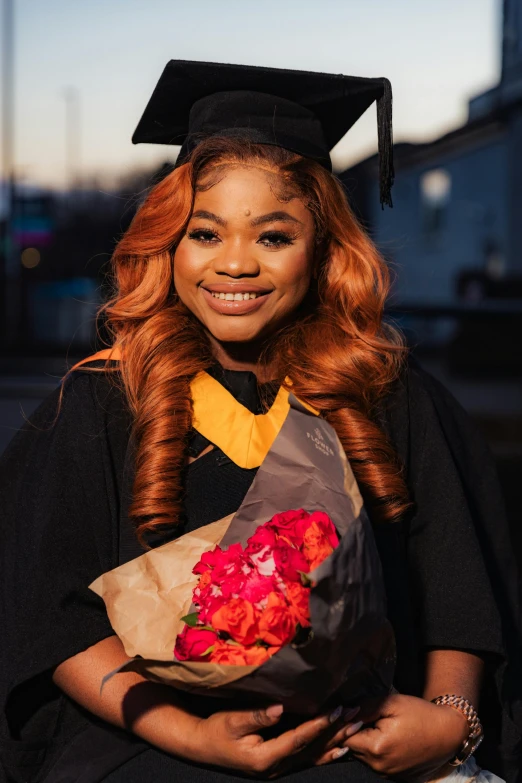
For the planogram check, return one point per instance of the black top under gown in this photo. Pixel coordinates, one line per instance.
(65, 488)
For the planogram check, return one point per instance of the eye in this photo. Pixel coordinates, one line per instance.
(204, 235)
(275, 239)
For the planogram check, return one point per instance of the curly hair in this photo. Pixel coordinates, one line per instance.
(339, 354)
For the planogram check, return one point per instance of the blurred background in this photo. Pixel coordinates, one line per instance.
(76, 77)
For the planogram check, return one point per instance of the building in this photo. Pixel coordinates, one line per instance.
(456, 227)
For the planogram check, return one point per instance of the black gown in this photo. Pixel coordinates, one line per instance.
(448, 570)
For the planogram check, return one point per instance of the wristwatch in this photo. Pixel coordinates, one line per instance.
(476, 733)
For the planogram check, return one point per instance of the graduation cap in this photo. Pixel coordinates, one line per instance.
(302, 111)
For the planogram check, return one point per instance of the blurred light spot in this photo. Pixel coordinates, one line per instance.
(30, 257)
(436, 187)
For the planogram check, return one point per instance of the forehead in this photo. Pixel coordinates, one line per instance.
(247, 187)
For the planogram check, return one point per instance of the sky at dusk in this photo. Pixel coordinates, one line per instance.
(437, 54)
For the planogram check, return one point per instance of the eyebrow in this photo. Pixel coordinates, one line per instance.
(272, 217)
(202, 213)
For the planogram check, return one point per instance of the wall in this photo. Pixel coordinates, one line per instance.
(474, 220)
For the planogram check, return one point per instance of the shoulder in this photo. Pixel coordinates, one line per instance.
(85, 409)
(417, 393)
(420, 411)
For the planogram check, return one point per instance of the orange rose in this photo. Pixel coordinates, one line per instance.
(277, 625)
(299, 599)
(204, 580)
(236, 655)
(257, 655)
(238, 618)
(228, 654)
(316, 545)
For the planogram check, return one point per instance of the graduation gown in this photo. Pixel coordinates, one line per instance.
(65, 491)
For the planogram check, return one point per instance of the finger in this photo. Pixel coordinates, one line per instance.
(362, 742)
(294, 741)
(333, 755)
(253, 721)
(337, 747)
(342, 734)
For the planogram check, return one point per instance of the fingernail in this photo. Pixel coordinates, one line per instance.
(353, 729)
(335, 715)
(340, 752)
(274, 711)
(349, 713)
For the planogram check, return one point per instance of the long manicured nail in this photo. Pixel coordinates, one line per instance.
(349, 713)
(274, 711)
(353, 729)
(336, 714)
(339, 752)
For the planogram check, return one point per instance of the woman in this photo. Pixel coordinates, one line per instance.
(247, 262)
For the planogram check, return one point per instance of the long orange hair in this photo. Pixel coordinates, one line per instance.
(339, 354)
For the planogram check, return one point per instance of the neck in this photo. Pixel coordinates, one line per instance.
(241, 356)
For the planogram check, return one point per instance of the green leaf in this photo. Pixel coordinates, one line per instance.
(305, 579)
(208, 650)
(190, 619)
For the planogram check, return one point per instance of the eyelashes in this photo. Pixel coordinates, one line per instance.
(270, 239)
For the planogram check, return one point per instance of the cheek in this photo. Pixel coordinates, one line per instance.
(295, 273)
(186, 266)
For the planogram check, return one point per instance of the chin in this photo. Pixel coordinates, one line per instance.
(236, 333)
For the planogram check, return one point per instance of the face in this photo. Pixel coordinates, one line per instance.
(245, 262)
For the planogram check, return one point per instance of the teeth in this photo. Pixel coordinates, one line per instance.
(234, 297)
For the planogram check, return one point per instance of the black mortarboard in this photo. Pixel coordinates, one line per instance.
(302, 111)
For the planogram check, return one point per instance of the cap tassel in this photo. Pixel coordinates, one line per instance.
(385, 140)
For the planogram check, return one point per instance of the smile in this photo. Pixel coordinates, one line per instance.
(229, 299)
(238, 297)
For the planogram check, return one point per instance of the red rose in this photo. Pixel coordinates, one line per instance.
(298, 598)
(284, 524)
(232, 586)
(289, 562)
(263, 537)
(207, 561)
(192, 644)
(276, 624)
(229, 563)
(238, 618)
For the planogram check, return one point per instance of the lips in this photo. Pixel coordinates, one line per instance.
(234, 298)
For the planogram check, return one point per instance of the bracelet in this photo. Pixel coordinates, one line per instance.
(476, 732)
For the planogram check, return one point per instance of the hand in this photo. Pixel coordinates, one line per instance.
(411, 736)
(232, 740)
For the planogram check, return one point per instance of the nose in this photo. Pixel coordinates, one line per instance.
(236, 260)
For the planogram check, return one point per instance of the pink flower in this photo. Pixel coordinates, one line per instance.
(256, 587)
(207, 561)
(289, 562)
(228, 564)
(260, 550)
(192, 644)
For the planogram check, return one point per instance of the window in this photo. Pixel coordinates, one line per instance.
(435, 188)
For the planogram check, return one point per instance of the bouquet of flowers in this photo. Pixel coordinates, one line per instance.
(267, 604)
(249, 602)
